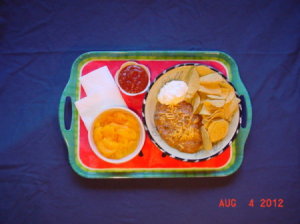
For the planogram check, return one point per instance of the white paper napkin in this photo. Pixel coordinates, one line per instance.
(102, 92)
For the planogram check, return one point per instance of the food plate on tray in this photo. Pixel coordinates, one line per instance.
(203, 135)
(178, 72)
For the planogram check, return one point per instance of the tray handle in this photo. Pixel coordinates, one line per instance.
(243, 94)
(246, 114)
(66, 113)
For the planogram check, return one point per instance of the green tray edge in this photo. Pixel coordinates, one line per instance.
(72, 90)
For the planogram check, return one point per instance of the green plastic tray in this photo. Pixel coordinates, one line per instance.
(72, 90)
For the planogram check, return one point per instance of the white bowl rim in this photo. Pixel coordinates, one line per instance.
(128, 157)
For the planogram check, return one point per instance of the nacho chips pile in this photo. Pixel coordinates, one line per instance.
(214, 99)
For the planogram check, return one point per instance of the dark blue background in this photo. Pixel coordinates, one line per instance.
(39, 40)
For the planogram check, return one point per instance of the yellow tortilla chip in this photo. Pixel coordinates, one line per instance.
(230, 96)
(230, 108)
(211, 78)
(217, 130)
(215, 103)
(215, 97)
(218, 114)
(225, 85)
(188, 73)
(205, 138)
(196, 102)
(210, 91)
(204, 111)
(203, 70)
(226, 91)
(193, 84)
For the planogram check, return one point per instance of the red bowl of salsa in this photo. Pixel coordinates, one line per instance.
(133, 78)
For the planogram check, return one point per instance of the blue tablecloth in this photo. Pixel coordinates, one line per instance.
(40, 39)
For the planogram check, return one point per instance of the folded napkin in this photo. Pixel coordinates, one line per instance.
(102, 92)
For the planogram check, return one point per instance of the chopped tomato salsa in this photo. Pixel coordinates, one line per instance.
(133, 79)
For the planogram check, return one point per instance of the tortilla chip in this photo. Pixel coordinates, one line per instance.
(230, 108)
(196, 102)
(217, 130)
(218, 114)
(215, 103)
(230, 96)
(206, 139)
(203, 70)
(211, 78)
(215, 97)
(210, 91)
(204, 111)
(193, 84)
(189, 72)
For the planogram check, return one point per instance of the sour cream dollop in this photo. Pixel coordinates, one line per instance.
(172, 92)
